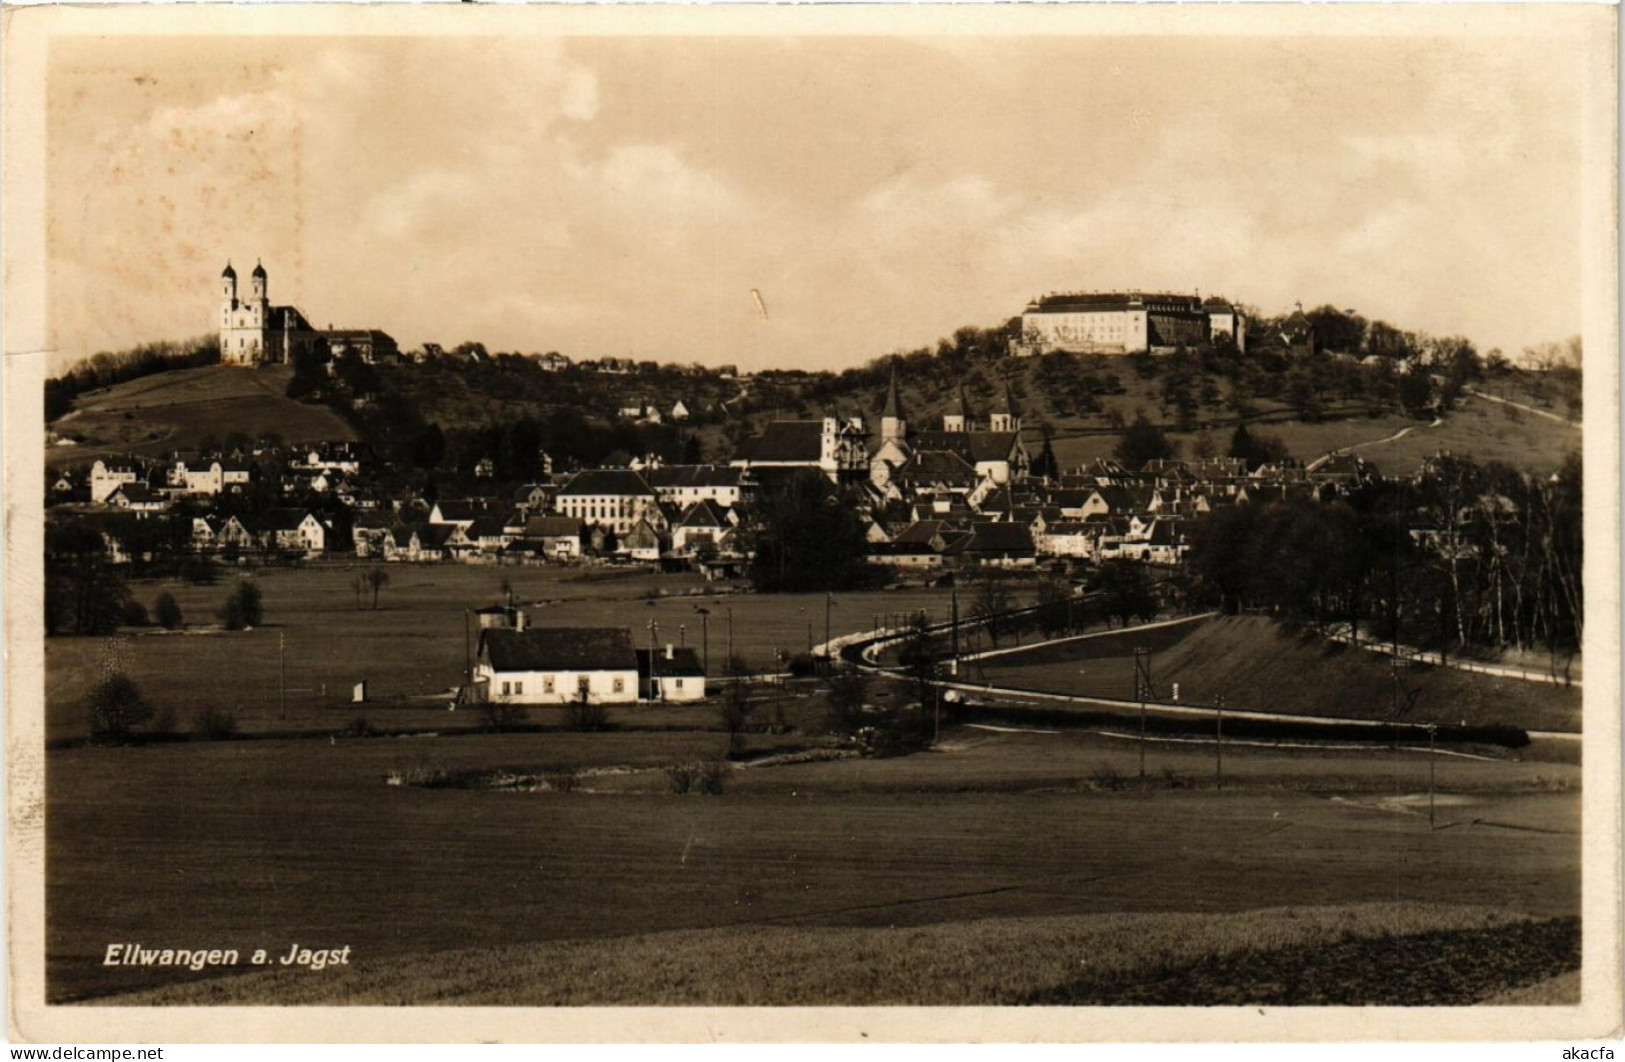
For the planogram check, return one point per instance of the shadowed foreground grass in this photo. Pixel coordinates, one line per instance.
(1338, 953)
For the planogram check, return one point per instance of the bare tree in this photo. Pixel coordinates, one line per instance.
(377, 578)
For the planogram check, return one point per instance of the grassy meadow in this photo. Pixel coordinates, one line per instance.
(1255, 664)
(178, 410)
(821, 881)
(1487, 431)
(412, 650)
(264, 843)
(985, 962)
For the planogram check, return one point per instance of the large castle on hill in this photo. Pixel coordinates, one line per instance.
(253, 332)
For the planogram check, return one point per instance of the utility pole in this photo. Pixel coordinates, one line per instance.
(1433, 731)
(1218, 744)
(953, 606)
(1142, 691)
(468, 652)
(282, 675)
(654, 655)
(829, 603)
(705, 640)
(731, 644)
(682, 635)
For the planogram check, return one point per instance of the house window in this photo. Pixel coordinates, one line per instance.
(620, 685)
(519, 687)
(679, 684)
(547, 684)
(583, 684)
(505, 689)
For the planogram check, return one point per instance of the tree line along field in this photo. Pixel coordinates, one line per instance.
(412, 649)
(264, 843)
(1255, 664)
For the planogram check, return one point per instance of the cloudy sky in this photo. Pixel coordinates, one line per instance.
(624, 196)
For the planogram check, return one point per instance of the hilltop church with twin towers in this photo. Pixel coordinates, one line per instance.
(254, 332)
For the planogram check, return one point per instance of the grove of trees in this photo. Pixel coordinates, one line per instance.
(1466, 557)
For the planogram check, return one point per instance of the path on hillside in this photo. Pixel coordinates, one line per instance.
(1395, 437)
(1340, 633)
(1549, 415)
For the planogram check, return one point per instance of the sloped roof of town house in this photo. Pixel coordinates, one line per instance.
(1004, 537)
(643, 535)
(372, 521)
(596, 482)
(973, 446)
(487, 527)
(704, 513)
(1075, 528)
(524, 493)
(282, 519)
(675, 476)
(936, 466)
(683, 663)
(787, 440)
(1164, 533)
(137, 493)
(357, 335)
(437, 536)
(552, 527)
(920, 532)
(1214, 303)
(559, 649)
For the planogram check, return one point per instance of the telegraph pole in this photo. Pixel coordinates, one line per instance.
(730, 642)
(1142, 691)
(1218, 744)
(829, 603)
(654, 655)
(705, 639)
(282, 675)
(953, 605)
(1433, 731)
(468, 652)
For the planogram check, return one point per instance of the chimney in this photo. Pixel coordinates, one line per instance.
(670, 652)
(518, 619)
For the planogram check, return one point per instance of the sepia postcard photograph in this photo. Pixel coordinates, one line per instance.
(672, 523)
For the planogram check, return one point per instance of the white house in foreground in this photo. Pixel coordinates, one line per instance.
(555, 665)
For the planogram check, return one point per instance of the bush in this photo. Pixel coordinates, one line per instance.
(215, 724)
(681, 776)
(712, 778)
(584, 715)
(847, 692)
(803, 664)
(117, 708)
(164, 724)
(135, 614)
(168, 612)
(709, 778)
(243, 607)
(561, 781)
(1107, 777)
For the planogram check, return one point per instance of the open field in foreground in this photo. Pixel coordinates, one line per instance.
(1403, 954)
(1255, 664)
(413, 645)
(178, 410)
(267, 843)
